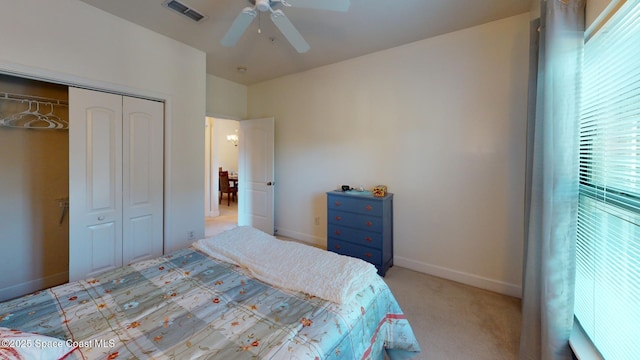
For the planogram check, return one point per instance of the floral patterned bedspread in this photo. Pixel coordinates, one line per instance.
(186, 305)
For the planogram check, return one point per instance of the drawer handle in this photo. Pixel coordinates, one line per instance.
(367, 239)
(368, 207)
(368, 223)
(338, 203)
(338, 218)
(337, 246)
(367, 254)
(338, 232)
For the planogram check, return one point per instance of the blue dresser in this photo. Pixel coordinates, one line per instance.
(361, 226)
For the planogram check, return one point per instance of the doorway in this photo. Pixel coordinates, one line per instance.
(221, 152)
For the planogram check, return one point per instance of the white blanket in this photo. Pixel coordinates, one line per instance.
(291, 265)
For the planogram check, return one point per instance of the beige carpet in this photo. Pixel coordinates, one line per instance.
(451, 321)
(227, 220)
(456, 321)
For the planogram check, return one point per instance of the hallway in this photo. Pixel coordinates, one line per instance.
(228, 219)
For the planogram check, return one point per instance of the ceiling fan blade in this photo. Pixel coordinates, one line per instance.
(333, 5)
(289, 31)
(240, 24)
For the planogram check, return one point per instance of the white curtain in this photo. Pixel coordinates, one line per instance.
(549, 270)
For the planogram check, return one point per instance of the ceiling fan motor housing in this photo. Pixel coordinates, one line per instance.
(263, 5)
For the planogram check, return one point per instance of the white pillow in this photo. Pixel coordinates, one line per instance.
(15, 344)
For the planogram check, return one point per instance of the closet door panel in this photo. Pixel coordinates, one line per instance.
(101, 163)
(95, 177)
(143, 158)
(103, 252)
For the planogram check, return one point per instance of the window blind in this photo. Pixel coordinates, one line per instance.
(607, 302)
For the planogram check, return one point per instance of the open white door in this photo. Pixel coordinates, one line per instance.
(256, 174)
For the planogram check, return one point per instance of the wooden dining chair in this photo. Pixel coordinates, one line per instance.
(225, 188)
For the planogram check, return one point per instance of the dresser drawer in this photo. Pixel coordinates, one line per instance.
(358, 237)
(364, 222)
(356, 205)
(362, 252)
(361, 225)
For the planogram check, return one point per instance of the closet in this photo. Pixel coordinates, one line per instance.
(116, 176)
(81, 183)
(34, 185)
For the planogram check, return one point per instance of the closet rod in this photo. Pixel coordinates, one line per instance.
(34, 115)
(21, 97)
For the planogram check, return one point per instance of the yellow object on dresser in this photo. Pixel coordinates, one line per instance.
(379, 190)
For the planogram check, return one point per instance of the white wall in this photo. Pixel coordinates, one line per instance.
(441, 122)
(226, 99)
(227, 151)
(70, 41)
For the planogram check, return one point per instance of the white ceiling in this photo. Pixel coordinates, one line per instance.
(368, 26)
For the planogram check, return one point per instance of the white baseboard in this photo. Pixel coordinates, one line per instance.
(28, 287)
(459, 276)
(481, 282)
(213, 213)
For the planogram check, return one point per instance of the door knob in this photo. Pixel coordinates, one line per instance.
(271, 183)
(100, 218)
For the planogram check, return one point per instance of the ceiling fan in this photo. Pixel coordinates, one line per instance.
(246, 16)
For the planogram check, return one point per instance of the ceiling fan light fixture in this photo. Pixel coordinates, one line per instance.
(244, 19)
(263, 5)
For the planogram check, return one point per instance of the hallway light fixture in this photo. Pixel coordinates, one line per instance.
(233, 138)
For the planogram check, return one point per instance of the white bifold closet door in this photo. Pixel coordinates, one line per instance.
(115, 181)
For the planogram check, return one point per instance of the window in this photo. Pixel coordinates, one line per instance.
(608, 245)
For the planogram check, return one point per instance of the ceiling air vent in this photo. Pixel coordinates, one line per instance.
(184, 10)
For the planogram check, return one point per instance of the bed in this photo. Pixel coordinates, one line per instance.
(209, 301)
